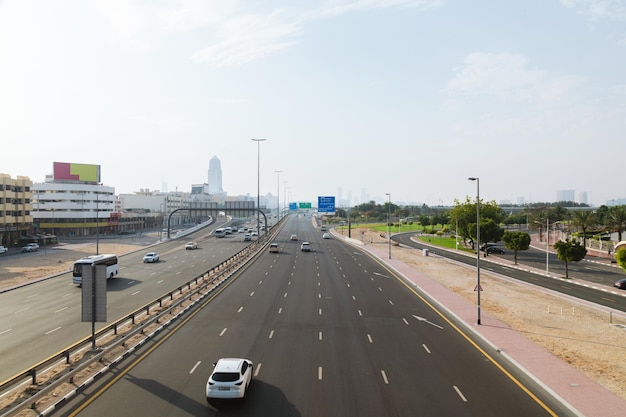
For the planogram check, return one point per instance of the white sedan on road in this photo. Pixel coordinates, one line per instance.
(151, 257)
(230, 379)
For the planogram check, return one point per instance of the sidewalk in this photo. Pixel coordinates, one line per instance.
(585, 396)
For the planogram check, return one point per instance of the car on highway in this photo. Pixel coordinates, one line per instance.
(494, 249)
(621, 284)
(3, 249)
(151, 257)
(273, 247)
(231, 378)
(293, 237)
(191, 246)
(326, 236)
(305, 247)
(323, 228)
(247, 237)
(30, 247)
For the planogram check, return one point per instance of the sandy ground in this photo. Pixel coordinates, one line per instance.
(580, 335)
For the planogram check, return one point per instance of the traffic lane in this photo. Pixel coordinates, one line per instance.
(391, 314)
(42, 319)
(238, 322)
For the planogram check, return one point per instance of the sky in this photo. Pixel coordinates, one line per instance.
(399, 100)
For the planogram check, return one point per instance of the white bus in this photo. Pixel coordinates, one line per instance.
(107, 259)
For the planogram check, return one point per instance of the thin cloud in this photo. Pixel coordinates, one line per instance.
(509, 78)
(597, 10)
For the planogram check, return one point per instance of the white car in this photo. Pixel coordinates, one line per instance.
(305, 247)
(230, 379)
(3, 249)
(191, 246)
(325, 236)
(151, 257)
(293, 237)
(30, 247)
(247, 237)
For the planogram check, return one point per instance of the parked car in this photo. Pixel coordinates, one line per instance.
(305, 247)
(484, 246)
(191, 246)
(231, 378)
(273, 247)
(494, 249)
(621, 284)
(3, 249)
(151, 257)
(30, 247)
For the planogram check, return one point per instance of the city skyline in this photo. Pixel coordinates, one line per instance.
(405, 97)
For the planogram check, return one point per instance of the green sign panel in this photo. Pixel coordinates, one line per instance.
(305, 205)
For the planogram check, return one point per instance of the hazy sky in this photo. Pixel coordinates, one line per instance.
(407, 97)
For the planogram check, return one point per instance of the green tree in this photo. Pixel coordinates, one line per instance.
(569, 251)
(516, 241)
(584, 219)
(489, 231)
(464, 215)
(615, 220)
(620, 257)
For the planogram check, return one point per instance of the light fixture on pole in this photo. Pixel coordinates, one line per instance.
(278, 195)
(258, 184)
(388, 224)
(478, 289)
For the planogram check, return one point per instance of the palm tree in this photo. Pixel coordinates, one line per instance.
(616, 220)
(584, 219)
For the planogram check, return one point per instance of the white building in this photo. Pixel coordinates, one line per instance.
(73, 208)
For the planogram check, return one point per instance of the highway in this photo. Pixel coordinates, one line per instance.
(598, 278)
(41, 319)
(331, 332)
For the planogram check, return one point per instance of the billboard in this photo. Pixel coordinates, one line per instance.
(65, 171)
(326, 204)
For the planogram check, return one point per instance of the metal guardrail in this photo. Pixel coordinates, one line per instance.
(226, 268)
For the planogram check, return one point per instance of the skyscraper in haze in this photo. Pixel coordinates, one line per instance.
(215, 176)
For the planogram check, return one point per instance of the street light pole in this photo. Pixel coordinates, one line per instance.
(258, 185)
(478, 289)
(278, 195)
(388, 226)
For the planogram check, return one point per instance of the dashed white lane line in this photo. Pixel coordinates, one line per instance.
(53, 330)
(195, 366)
(426, 348)
(319, 373)
(223, 331)
(385, 380)
(458, 391)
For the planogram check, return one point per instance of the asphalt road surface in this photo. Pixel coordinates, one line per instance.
(331, 332)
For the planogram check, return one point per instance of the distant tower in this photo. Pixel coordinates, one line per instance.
(215, 176)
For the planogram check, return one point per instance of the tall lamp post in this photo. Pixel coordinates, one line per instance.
(478, 289)
(278, 195)
(258, 184)
(388, 224)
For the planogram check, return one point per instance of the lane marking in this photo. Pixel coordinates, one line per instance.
(369, 337)
(5, 331)
(319, 336)
(240, 309)
(458, 391)
(280, 310)
(61, 309)
(53, 330)
(319, 373)
(405, 321)
(223, 331)
(271, 334)
(258, 369)
(382, 372)
(195, 366)
(136, 292)
(426, 348)
(252, 293)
